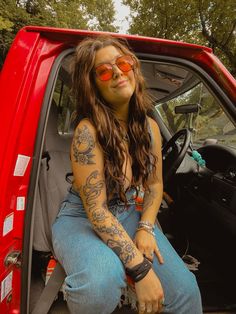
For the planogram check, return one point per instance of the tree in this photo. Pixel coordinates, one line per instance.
(101, 15)
(78, 14)
(207, 22)
(218, 27)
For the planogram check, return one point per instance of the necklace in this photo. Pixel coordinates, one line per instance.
(126, 136)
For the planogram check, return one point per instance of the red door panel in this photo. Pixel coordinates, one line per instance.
(22, 87)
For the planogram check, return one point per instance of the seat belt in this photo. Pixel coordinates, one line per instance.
(50, 291)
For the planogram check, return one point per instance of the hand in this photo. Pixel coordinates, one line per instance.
(147, 245)
(150, 294)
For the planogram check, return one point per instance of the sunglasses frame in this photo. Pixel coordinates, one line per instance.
(112, 66)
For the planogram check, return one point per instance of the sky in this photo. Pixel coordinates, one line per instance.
(122, 12)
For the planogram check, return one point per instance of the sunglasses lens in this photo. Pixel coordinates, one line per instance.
(125, 63)
(104, 72)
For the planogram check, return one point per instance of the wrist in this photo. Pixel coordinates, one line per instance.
(139, 271)
(146, 223)
(146, 230)
(135, 261)
(146, 226)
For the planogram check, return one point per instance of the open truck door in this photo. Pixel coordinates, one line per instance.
(23, 83)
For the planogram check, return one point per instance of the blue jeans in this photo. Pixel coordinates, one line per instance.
(95, 274)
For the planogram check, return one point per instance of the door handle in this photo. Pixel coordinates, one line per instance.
(13, 258)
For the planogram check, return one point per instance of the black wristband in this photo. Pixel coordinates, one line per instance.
(139, 271)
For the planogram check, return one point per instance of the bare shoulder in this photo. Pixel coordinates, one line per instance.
(156, 135)
(85, 127)
(154, 126)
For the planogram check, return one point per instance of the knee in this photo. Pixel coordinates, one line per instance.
(182, 295)
(191, 287)
(189, 297)
(92, 294)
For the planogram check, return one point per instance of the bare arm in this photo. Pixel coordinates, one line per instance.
(88, 169)
(145, 241)
(152, 199)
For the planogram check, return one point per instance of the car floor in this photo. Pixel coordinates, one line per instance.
(216, 278)
(216, 272)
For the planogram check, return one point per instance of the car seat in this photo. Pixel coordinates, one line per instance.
(51, 189)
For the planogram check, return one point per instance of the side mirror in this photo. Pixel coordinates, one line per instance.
(189, 108)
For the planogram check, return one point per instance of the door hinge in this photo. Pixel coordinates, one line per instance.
(13, 258)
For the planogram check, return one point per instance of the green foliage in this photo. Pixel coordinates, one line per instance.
(206, 22)
(101, 14)
(5, 24)
(78, 14)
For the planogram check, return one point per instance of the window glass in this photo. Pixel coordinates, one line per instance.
(63, 99)
(207, 121)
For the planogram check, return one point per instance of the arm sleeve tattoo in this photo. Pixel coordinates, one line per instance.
(105, 224)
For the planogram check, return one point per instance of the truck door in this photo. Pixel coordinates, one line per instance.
(22, 86)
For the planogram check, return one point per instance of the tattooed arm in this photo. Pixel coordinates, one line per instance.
(88, 169)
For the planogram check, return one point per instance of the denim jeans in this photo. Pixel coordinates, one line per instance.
(95, 274)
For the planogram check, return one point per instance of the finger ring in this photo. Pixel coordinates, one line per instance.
(151, 254)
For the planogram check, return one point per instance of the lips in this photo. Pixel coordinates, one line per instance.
(121, 83)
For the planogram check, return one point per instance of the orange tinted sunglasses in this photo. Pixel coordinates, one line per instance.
(105, 71)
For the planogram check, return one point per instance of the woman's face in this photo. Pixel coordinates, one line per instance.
(119, 89)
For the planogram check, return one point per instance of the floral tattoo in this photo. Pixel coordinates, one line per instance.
(83, 144)
(123, 248)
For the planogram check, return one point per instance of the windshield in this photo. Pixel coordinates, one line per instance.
(208, 123)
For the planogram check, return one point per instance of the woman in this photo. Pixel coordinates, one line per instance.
(99, 235)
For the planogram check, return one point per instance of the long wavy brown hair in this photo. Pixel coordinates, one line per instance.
(110, 133)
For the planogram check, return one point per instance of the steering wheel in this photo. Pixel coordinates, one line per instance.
(173, 153)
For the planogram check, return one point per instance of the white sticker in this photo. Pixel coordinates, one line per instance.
(6, 286)
(8, 224)
(20, 203)
(21, 165)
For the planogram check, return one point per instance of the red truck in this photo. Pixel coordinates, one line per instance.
(194, 98)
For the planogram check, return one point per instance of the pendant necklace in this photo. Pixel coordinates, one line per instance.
(126, 136)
